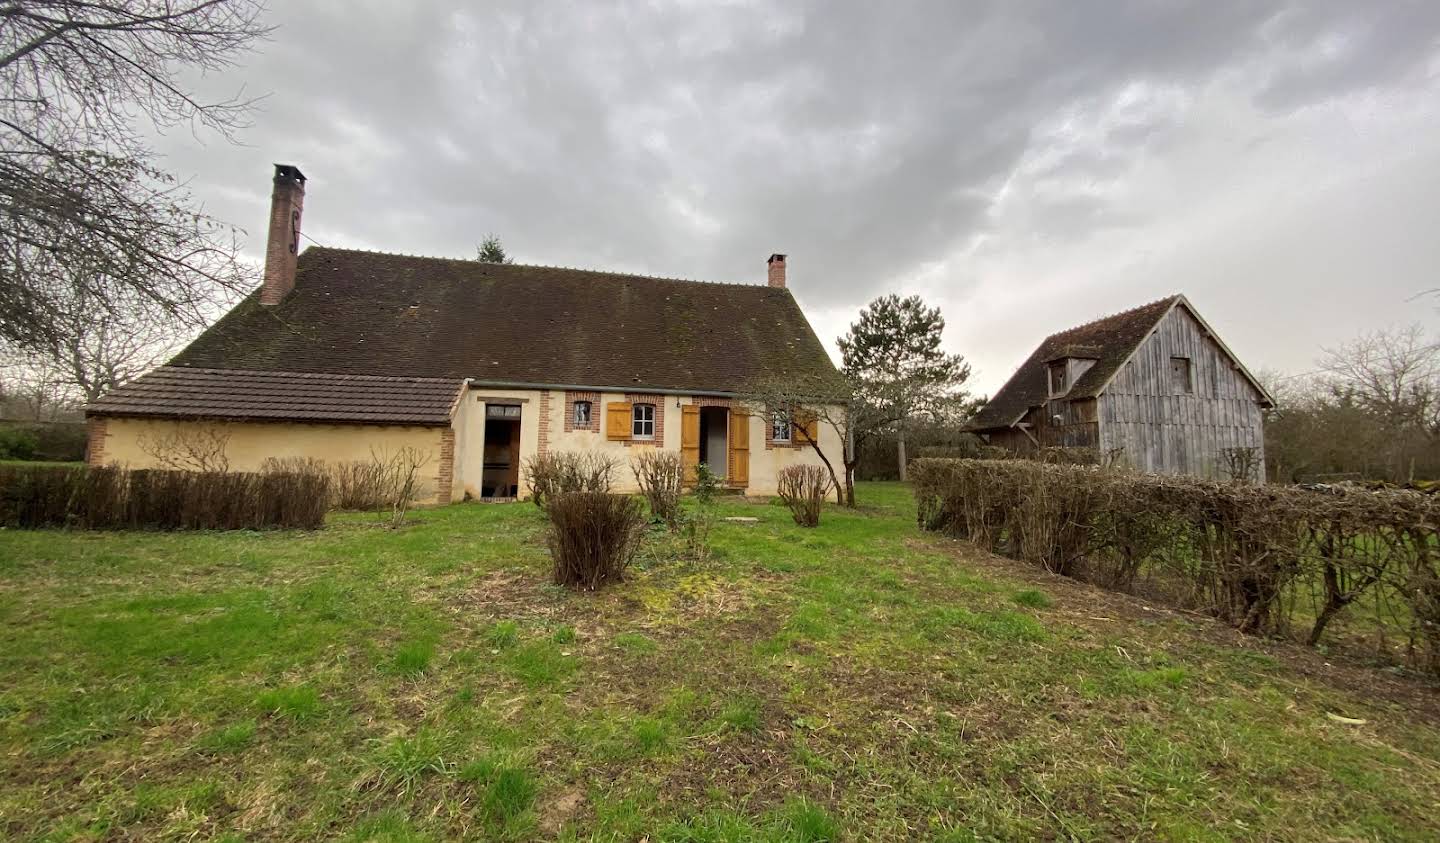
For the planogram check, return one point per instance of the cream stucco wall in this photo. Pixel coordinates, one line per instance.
(765, 464)
(470, 434)
(250, 444)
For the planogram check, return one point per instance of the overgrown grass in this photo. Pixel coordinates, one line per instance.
(854, 681)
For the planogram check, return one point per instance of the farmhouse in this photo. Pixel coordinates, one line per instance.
(1154, 388)
(343, 355)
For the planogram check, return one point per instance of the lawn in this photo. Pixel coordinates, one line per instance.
(857, 681)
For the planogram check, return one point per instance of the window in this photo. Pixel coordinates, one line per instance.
(780, 426)
(582, 414)
(1058, 374)
(502, 411)
(1181, 379)
(642, 421)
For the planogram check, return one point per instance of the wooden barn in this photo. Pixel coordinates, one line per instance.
(1154, 388)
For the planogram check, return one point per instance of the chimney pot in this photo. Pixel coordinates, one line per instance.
(775, 267)
(282, 245)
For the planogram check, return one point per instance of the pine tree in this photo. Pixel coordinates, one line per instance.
(892, 354)
(490, 251)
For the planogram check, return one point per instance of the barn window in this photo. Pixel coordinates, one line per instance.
(642, 421)
(582, 414)
(1181, 378)
(1058, 375)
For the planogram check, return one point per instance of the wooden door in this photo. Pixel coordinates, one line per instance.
(738, 473)
(514, 478)
(690, 440)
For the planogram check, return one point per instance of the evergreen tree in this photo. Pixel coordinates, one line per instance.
(490, 251)
(892, 354)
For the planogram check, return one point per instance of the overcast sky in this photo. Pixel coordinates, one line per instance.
(1026, 166)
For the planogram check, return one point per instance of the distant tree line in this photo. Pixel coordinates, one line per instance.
(1370, 412)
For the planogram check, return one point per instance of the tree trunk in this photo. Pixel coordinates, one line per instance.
(900, 449)
(850, 485)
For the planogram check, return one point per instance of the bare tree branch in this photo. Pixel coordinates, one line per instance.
(84, 214)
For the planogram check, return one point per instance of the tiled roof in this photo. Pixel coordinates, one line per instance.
(370, 313)
(1109, 341)
(290, 396)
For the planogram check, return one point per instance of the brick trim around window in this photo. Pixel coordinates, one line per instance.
(594, 399)
(659, 402)
(796, 440)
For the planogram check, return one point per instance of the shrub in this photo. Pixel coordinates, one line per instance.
(1257, 557)
(18, 443)
(803, 489)
(389, 483)
(592, 537)
(554, 473)
(117, 499)
(707, 484)
(659, 474)
(696, 524)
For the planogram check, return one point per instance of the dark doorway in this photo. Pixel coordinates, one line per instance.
(714, 449)
(501, 475)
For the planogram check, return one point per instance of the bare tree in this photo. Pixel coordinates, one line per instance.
(98, 349)
(35, 388)
(855, 418)
(84, 211)
(1394, 377)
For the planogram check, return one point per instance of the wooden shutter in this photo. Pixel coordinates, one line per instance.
(738, 471)
(811, 423)
(617, 420)
(690, 440)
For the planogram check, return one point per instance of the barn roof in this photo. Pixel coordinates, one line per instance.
(1109, 341)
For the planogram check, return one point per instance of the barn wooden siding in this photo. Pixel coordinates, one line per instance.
(1164, 431)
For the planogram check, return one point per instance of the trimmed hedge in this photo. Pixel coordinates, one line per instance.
(1266, 559)
(118, 499)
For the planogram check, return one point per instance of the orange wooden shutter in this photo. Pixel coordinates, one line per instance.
(811, 423)
(690, 440)
(617, 420)
(738, 473)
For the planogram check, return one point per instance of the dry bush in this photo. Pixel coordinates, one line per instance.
(357, 485)
(189, 448)
(592, 537)
(388, 483)
(402, 483)
(554, 473)
(803, 489)
(1262, 558)
(1241, 465)
(660, 474)
(118, 499)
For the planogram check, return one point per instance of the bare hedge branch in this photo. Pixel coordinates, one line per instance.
(1262, 558)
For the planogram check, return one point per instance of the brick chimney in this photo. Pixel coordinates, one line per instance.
(776, 266)
(283, 244)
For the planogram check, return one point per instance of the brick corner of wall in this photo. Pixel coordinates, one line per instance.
(96, 431)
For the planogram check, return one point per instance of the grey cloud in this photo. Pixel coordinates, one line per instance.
(689, 141)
